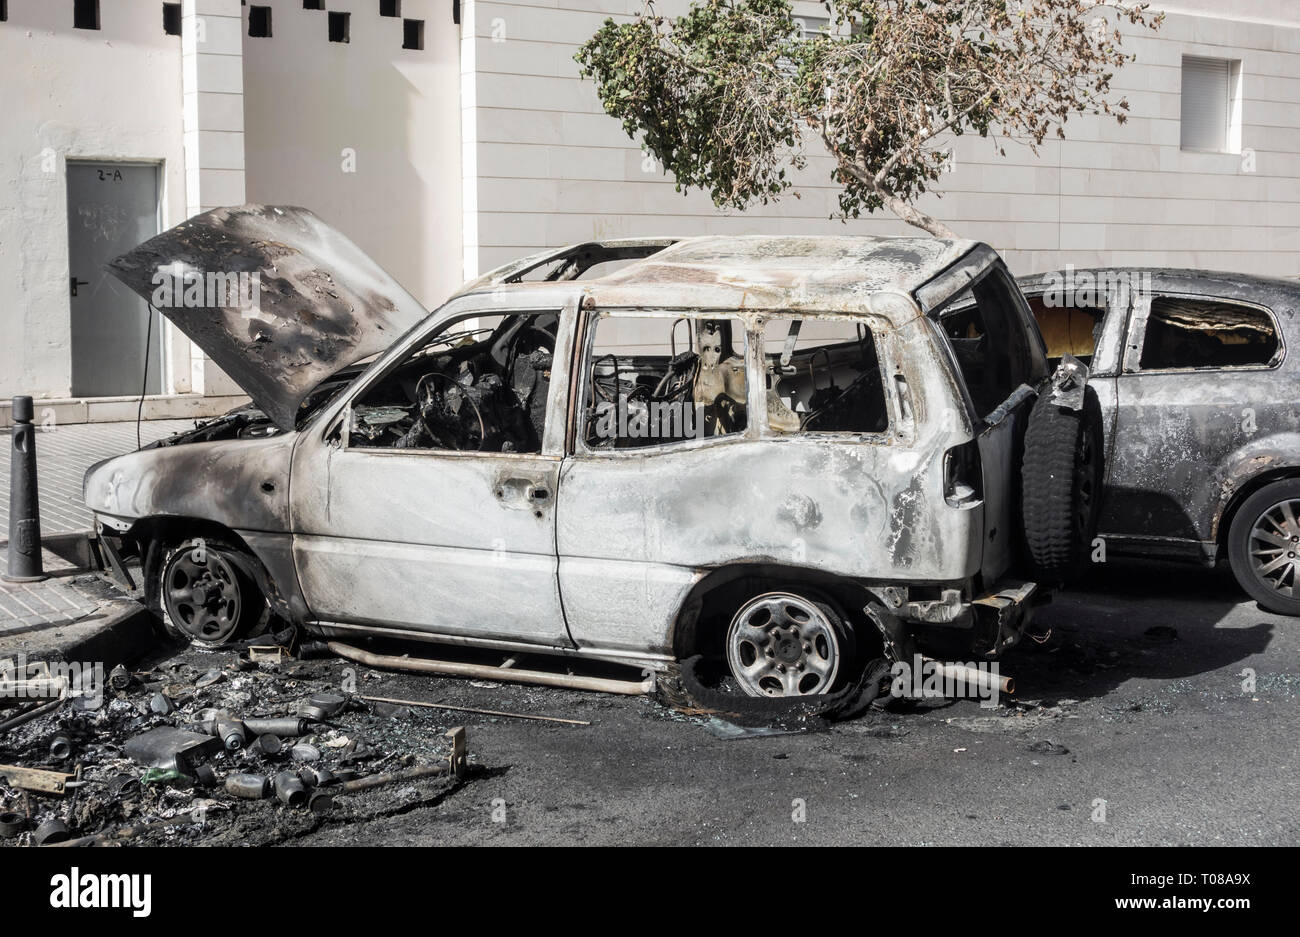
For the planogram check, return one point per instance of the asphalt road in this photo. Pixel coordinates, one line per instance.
(1156, 726)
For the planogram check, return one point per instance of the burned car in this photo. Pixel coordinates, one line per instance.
(1198, 396)
(794, 454)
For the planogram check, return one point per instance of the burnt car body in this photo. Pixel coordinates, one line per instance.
(628, 450)
(1199, 391)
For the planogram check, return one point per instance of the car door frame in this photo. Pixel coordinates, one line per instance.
(999, 434)
(322, 442)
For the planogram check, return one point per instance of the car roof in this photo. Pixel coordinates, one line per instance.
(1217, 282)
(753, 272)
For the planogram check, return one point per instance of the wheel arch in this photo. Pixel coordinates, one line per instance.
(1242, 493)
(268, 558)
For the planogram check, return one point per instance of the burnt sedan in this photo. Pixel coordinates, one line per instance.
(792, 454)
(1200, 397)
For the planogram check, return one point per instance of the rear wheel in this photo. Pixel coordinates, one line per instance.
(205, 594)
(1264, 546)
(783, 644)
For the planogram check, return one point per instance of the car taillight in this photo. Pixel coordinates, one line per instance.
(962, 478)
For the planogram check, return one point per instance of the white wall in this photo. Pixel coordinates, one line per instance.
(114, 93)
(308, 100)
(552, 168)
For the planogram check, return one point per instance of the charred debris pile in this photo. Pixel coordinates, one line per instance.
(249, 747)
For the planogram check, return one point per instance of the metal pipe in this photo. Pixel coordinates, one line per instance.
(457, 669)
(975, 678)
(31, 714)
(471, 709)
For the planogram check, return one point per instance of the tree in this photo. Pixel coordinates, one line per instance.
(726, 95)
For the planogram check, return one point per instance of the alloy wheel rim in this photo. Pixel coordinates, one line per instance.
(1274, 547)
(782, 645)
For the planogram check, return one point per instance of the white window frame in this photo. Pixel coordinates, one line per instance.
(1198, 130)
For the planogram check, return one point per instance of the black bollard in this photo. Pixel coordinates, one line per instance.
(24, 509)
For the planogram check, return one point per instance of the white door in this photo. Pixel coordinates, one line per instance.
(112, 207)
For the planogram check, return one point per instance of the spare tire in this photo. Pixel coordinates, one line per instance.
(1061, 478)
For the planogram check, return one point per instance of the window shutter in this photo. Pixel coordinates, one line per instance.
(1207, 99)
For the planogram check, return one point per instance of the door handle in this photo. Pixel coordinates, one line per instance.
(538, 493)
(76, 283)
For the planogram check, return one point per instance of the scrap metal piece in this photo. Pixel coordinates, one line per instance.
(471, 709)
(60, 748)
(286, 727)
(459, 757)
(1069, 383)
(326, 703)
(1009, 611)
(304, 752)
(317, 777)
(11, 824)
(116, 565)
(232, 734)
(124, 786)
(248, 786)
(269, 744)
(511, 674)
(51, 832)
(119, 678)
(289, 789)
(272, 653)
(171, 749)
(36, 779)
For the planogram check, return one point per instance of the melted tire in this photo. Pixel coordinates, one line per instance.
(686, 687)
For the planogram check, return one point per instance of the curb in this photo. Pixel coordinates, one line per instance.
(122, 632)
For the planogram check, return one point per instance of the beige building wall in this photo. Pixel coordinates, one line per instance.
(486, 145)
(552, 168)
(364, 133)
(112, 94)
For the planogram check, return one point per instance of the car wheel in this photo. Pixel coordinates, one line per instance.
(206, 596)
(1061, 478)
(1264, 546)
(782, 644)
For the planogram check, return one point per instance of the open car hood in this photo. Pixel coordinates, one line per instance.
(310, 302)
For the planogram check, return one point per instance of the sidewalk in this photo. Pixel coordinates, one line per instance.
(62, 456)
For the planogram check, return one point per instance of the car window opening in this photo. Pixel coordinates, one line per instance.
(657, 380)
(1196, 333)
(1068, 330)
(482, 387)
(823, 375)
